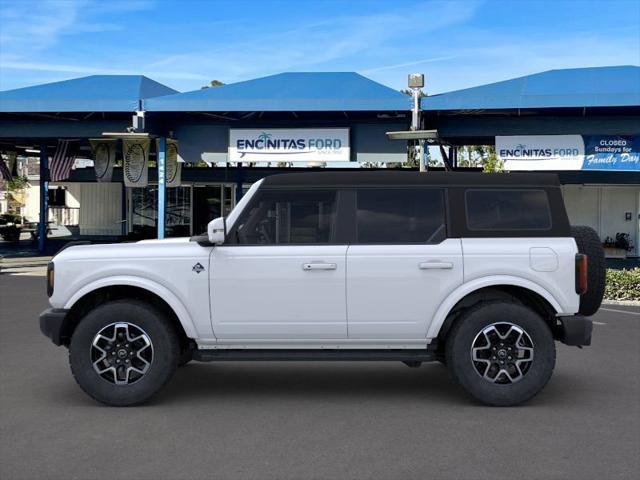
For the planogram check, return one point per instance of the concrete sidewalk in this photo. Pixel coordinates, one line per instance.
(10, 265)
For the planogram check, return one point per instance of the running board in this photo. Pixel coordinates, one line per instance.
(423, 355)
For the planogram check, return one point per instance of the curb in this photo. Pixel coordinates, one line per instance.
(629, 303)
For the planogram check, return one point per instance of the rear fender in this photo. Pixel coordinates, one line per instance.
(467, 288)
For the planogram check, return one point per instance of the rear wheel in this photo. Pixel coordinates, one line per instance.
(501, 353)
(123, 352)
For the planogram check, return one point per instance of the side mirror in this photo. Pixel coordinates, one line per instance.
(217, 230)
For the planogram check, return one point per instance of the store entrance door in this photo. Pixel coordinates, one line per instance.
(209, 202)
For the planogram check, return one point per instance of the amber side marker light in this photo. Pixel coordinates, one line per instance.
(50, 276)
(581, 274)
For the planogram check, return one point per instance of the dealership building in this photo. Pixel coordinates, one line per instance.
(209, 145)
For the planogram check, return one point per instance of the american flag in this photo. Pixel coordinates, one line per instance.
(62, 161)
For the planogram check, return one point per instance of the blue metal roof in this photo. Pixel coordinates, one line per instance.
(306, 91)
(96, 93)
(577, 87)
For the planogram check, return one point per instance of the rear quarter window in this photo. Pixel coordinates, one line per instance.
(507, 209)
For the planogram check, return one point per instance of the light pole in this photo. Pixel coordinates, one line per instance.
(416, 83)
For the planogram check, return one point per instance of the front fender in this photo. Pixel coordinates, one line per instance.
(492, 281)
(174, 302)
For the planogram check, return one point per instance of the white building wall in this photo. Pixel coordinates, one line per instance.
(73, 195)
(604, 208)
(31, 209)
(100, 208)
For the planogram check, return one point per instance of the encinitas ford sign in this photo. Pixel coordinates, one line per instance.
(569, 152)
(289, 145)
(541, 152)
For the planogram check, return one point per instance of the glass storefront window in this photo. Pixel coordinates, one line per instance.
(178, 215)
(207, 205)
(229, 201)
(183, 218)
(144, 212)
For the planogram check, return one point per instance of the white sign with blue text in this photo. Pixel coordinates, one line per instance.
(540, 152)
(289, 145)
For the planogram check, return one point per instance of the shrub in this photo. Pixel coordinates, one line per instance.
(623, 284)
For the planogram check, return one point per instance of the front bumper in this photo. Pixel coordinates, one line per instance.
(53, 324)
(575, 330)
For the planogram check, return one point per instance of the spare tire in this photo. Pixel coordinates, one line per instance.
(589, 244)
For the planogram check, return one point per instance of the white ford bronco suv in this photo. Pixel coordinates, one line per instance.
(481, 272)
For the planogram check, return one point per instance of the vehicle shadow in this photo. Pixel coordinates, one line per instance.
(311, 381)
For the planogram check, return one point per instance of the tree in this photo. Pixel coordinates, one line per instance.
(213, 83)
(480, 156)
(15, 194)
(493, 164)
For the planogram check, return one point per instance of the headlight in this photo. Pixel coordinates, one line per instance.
(50, 279)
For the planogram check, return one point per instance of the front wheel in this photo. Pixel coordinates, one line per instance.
(123, 352)
(501, 353)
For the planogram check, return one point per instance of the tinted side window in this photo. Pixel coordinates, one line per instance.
(400, 216)
(281, 217)
(507, 209)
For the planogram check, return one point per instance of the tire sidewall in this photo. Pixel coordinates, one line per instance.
(165, 352)
(459, 353)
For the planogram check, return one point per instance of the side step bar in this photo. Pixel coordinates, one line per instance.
(213, 355)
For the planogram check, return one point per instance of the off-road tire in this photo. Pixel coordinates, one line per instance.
(459, 357)
(589, 244)
(165, 343)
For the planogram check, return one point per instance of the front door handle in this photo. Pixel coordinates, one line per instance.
(319, 266)
(435, 265)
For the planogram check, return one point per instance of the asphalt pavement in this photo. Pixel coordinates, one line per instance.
(316, 420)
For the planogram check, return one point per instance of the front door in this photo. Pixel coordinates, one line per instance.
(402, 265)
(281, 273)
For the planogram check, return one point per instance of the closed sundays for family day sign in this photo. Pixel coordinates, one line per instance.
(289, 145)
(569, 152)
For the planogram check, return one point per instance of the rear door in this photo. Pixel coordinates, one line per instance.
(281, 273)
(401, 265)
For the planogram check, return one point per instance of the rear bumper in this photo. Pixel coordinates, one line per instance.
(53, 323)
(575, 330)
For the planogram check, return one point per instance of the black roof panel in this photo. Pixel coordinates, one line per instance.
(400, 178)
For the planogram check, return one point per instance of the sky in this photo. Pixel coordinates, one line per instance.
(185, 44)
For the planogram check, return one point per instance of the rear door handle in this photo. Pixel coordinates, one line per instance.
(319, 266)
(435, 265)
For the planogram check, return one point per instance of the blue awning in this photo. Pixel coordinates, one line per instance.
(96, 93)
(288, 92)
(577, 87)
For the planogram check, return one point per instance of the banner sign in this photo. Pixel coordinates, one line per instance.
(136, 162)
(540, 152)
(289, 145)
(610, 152)
(104, 157)
(569, 152)
(173, 167)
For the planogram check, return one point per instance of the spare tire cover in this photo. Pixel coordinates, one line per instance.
(589, 244)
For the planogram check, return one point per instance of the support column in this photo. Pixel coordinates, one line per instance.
(124, 209)
(44, 199)
(424, 166)
(162, 190)
(239, 181)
